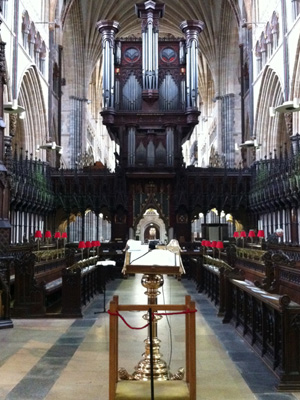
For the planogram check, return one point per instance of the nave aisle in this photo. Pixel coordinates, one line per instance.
(57, 359)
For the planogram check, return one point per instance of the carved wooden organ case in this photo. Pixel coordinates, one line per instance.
(150, 89)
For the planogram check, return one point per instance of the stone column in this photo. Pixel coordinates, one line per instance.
(5, 227)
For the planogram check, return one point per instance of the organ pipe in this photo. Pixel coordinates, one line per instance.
(108, 29)
(150, 12)
(191, 29)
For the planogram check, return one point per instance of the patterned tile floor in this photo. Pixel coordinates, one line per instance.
(64, 359)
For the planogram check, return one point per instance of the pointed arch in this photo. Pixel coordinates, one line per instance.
(33, 129)
(270, 130)
(295, 87)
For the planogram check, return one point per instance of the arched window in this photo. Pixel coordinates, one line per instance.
(37, 49)
(269, 40)
(258, 56)
(31, 39)
(42, 58)
(275, 29)
(263, 49)
(25, 29)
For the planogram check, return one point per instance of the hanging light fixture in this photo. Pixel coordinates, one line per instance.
(49, 146)
(14, 108)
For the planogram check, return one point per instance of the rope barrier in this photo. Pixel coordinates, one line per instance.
(145, 326)
(126, 323)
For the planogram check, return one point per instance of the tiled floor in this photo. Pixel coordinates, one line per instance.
(58, 359)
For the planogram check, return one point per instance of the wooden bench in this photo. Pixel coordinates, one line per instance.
(270, 324)
(38, 285)
(163, 390)
(80, 283)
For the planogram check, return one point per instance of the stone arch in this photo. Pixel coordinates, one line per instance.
(32, 130)
(295, 88)
(151, 218)
(270, 129)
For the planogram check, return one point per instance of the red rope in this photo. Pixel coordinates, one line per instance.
(126, 323)
(145, 326)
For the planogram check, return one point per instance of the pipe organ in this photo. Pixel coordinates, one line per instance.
(150, 88)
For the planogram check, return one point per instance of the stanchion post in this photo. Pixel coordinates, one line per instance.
(151, 353)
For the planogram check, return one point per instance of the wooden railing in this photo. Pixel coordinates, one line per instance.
(49, 254)
(271, 325)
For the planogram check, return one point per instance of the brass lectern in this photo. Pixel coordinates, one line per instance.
(153, 263)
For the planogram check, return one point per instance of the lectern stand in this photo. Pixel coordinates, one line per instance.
(153, 264)
(164, 389)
